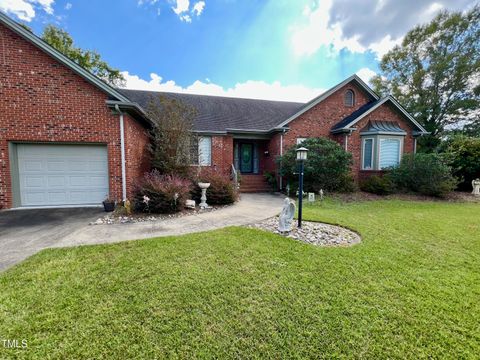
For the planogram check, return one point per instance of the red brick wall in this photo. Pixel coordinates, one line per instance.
(319, 120)
(222, 153)
(43, 101)
(137, 154)
(385, 112)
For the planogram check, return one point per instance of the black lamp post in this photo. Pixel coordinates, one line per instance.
(301, 157)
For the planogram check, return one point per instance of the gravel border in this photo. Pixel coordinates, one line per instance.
(114, 218)
(314, 233)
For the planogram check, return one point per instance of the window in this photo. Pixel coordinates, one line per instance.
(389, 153)
(205, 151)
(300, 140)
(349, 98)
(367, 162)
(201, 151)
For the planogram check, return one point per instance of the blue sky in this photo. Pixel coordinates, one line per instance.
(276, 49)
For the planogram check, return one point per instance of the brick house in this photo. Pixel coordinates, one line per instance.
(69, 139)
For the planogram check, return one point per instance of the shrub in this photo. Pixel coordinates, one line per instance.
(158, 193)
(222, 191)
(426, 174)
(463, 155)
(380, 185)
(328, 166)
(271, 179)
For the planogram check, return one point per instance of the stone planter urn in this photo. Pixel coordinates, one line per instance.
(203, 187)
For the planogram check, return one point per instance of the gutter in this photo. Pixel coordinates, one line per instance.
(122, 148)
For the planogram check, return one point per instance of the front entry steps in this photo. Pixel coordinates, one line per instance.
(251, 183)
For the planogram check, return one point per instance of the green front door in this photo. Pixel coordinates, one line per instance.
(246, 158)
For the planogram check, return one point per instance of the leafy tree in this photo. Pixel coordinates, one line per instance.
(328, 166)
(88, 59)
(173, 135)
(462, 153)
(435, 72)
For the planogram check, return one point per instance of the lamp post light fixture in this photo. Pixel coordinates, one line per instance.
(301, 157)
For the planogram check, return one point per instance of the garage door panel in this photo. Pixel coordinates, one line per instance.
(33, 165)
(57, 198)
(62, 174)
(57, 165)
(32, 181)
(34, 197)
(56, 181)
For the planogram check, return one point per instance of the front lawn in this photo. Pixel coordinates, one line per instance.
(411, 289)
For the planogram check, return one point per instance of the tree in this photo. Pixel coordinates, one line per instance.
(328, 166)
(462, 154)
(88, 59)
(173, 135)
(435, 72)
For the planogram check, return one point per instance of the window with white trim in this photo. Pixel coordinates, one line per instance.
(367, 154)
(201, 151)
(300, 140)
(205, 150)
(389, 153)
(349, 98)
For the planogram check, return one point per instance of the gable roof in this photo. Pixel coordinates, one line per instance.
(326, 94)
(347, 123)
(216, 114)
(57, 55)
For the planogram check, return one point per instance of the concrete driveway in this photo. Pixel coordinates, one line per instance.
(25, 232)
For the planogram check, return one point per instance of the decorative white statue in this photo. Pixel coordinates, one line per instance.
(286, 216)
(321, 194)
(476, 187)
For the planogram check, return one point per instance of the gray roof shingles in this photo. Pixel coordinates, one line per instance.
(347, 120)
(216, 113)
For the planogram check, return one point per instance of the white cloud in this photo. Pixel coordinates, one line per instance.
(366, 74)
(181, 7)
(370, 25)
(250, 89)
(68, 6)
(25, 9)
(198, 8)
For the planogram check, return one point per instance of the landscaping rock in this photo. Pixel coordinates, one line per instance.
(112, 218)
(314, 233)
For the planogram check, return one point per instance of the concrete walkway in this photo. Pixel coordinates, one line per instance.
(250, 209)
(26, 232)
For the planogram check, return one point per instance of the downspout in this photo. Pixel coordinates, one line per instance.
(347, 135)
(281, 154)
(122, 150)
(415, 145)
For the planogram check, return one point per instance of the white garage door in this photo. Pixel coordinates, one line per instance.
(54, 175)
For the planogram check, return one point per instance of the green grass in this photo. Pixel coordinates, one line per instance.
(411, 289)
